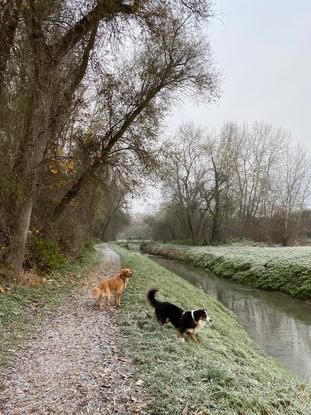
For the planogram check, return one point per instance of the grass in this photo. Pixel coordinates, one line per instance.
(285, 269)
(228, 375)
(22, 308)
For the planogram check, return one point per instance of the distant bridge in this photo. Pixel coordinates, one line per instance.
(134, 244)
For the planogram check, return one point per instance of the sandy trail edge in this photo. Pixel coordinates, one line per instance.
(73, 363)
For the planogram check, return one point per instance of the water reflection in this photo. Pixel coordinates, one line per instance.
(280, 324)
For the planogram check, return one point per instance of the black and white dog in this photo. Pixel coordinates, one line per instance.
(187, 323)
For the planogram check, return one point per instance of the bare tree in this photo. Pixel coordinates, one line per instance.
(219, 153)
(245, 182)
(293, 189)
(259, 151)
(183, 180)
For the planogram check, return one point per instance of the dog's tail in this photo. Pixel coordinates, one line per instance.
(95, 292)
(151, 297)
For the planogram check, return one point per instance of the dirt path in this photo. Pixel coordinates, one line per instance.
(73, 364)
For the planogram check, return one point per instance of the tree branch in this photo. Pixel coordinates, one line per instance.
(35, 33)
(103, 10)
(79, 72)
(8, 25)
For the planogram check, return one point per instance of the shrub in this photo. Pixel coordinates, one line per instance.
(46, 255)
(87, 246)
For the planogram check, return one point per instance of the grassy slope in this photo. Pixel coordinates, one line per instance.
(228, 375)
(282, 269)
(23, 307)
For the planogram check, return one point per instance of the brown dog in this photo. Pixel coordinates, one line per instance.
(115, 284)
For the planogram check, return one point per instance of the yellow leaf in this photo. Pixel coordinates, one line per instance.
(59, 152)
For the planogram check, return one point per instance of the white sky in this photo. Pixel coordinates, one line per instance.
(263, 49)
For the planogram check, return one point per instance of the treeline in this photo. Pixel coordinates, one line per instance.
(84, 86)
(243, 182)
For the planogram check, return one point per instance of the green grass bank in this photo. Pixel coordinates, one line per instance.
(227, 375)
(284, 269)
(23, 307)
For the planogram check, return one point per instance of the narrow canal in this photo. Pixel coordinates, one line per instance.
(280, 324)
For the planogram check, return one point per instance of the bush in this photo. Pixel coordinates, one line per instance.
(87, 246)
(46, 255)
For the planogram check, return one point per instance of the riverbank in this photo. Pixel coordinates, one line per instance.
(284, 269)
(228, 375)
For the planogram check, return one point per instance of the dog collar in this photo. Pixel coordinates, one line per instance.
(192, 315)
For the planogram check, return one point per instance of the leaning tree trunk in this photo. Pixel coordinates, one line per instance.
(19, 235)
(26, 171)
(22, 211)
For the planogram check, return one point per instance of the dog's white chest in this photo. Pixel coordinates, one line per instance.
(201, 325)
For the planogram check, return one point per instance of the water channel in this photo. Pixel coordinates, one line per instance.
(280, 324)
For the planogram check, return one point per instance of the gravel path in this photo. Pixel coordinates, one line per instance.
(73, 363)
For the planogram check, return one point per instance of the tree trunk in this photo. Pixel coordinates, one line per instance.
(215, 228)
(192, 233)
(28, 169)
(216, 215)
(75, 189)
(16, 254)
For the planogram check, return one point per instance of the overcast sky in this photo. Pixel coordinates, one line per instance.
(263, 49)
